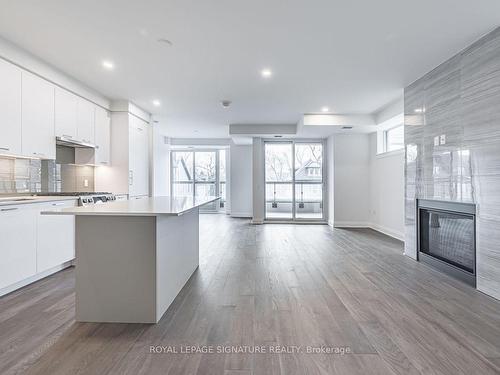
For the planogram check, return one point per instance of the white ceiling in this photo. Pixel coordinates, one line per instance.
(350, 55)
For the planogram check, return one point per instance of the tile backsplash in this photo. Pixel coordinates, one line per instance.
(39, 176)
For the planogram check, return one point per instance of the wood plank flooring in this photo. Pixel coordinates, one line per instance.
(270, 286)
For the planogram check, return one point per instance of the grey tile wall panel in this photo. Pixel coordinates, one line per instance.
(461, 98)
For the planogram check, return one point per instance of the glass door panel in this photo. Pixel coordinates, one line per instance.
(308, 180)
(279, 180)
(182, 173)
(222, 178)
(205, 174)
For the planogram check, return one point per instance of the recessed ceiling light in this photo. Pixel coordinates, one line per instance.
(156, 103)
(419, 110)
(266, 73)
(106, 64)
(325, 109)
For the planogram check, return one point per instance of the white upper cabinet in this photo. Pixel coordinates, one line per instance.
(66, 107)
(10, 108)
(85, 120)
(38, 131)
(102, 136)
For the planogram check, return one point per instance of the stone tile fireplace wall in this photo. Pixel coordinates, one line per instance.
(452, 137)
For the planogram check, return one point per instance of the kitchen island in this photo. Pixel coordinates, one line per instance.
(133, 257)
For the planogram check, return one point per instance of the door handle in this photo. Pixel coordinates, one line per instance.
(8, 209)
(5, 148)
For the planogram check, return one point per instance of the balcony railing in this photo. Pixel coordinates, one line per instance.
(308, 199)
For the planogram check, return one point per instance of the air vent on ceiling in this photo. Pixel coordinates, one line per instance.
(278, 136)
(346, 127)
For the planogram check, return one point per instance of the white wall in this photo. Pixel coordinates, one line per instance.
(241, 180)
(258, 178)
(386, 191)
(351, 180)
(330, 175)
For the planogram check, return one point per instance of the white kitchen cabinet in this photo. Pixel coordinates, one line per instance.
(85, 121)
(66, 108)
(102, 136)
(138, 157)
(55, 236)
(17, 243)
(38, 133)
(10, 108)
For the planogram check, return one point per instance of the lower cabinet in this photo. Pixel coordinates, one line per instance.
(31, 243)
(17, 243)
(55, 237)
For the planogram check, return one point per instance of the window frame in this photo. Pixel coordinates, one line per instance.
(386, 136)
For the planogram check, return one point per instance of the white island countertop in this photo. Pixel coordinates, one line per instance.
(154, 206)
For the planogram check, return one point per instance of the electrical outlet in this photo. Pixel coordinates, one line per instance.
(442, 139)
(86, 183)
(436, 140)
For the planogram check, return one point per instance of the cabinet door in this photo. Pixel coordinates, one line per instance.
(66, 106)
(85, 120)
(10, 108)
(139, 157)
(17, 244)
(55, 237)
(102, 136)
(38, 134)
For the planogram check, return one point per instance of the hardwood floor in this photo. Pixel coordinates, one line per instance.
(267, 286)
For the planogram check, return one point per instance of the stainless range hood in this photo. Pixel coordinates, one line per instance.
(70, 142)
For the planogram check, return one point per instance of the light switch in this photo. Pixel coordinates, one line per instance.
(442, 139)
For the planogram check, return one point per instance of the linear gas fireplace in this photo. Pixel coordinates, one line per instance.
(446, 235)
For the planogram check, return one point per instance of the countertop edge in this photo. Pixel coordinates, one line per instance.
(78, 211)
(37, 200)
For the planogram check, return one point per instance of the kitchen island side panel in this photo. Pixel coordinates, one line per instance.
(177, 255)
(116, 269)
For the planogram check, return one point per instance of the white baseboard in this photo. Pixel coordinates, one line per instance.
(363, 224)
(388, 231)
(245, 215)
(351, 224)
(32, 279)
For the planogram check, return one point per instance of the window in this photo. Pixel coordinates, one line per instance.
(294, 180)
(199, 173)
(394, 138)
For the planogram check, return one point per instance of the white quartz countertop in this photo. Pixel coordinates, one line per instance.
(171, 206)
(27, 199)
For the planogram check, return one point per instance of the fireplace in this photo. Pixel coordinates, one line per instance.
(446, 237)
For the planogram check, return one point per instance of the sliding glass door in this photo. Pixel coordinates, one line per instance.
(308, 180)
(199, 173)
(279, 180)
(294, 180)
